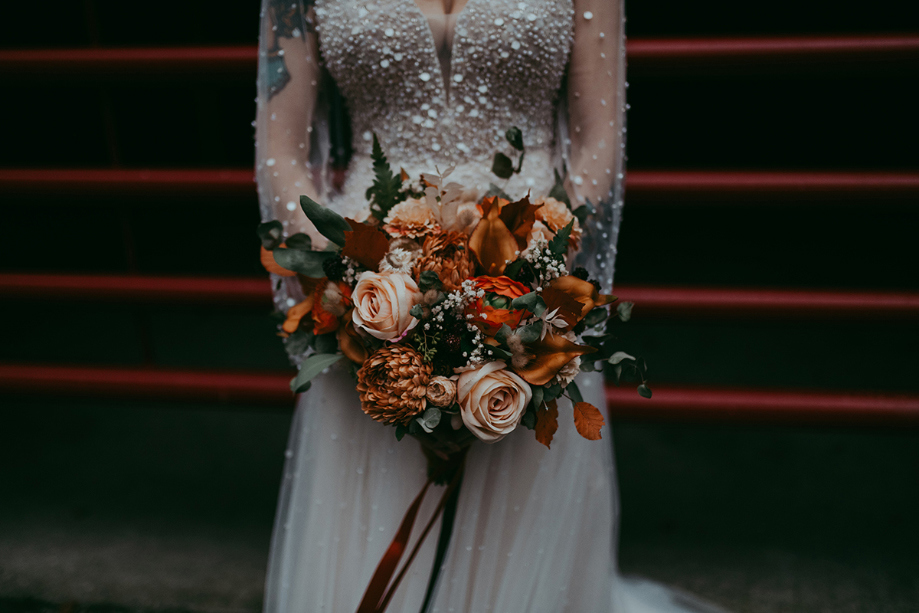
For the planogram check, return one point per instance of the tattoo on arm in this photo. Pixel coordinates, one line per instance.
(288, 20)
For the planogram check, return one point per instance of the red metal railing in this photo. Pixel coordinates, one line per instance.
(642, 184)
(790, 51)
(271, 388)
(651, 301)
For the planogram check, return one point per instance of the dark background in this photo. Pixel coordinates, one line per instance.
(152, 505)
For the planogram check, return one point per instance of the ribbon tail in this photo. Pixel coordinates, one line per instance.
(443, 543)
(390, 560)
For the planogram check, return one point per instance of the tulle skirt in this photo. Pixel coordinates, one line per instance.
(535, 528)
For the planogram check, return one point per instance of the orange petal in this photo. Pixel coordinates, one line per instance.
(296, 313)
(350, 341)
(519, 218)
(491, 241)
(549, 356)
(272, 266)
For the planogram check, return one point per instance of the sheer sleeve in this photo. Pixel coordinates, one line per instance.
(291, 127)
(594, 129)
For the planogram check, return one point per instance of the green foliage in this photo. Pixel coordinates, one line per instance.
(529, 420)
(386, 191)
(644, 391)
(329, 223)
(574, 393)
(503, 166)
(401, 431)
(624, 310)
(430, 419)
(558, 189)
(300, 241)
(429, 280)
(530, 333)
(619, 356)
(308, 263)
(538, 394)
(532, 302)
(270, 233)
(515, 137)
(559, 243)
(513, 269)
(596, 317)
(311, 367)
(298, 342)
(326, 343)
(583, 212)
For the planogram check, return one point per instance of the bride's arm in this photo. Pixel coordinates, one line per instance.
(595, 98)
(289, 74)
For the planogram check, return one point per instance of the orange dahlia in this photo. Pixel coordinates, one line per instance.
(447, 254)
(393, 383)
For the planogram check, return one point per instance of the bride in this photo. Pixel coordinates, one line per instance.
(439, 82)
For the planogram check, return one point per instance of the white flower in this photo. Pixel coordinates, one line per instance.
(492, 400)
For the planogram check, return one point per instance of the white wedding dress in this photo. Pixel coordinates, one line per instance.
(535, 529)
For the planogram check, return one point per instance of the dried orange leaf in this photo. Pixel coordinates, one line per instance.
(365, 245)
(549, 356)
(588, 420)
(296, 313)
(547, 423)
(350, 341)
(267, 257)
(519, 218)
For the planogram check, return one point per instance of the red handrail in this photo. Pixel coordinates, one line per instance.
(642, 52)
(650, 301)
(642, 184)
(271, 388)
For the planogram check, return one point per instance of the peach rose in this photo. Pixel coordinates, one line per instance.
(556, 215)
(492, 400)
(382, 304)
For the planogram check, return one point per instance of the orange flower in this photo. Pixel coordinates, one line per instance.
(330, 300)
(493, 310)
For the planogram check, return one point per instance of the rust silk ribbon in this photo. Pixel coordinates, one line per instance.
(376, 597)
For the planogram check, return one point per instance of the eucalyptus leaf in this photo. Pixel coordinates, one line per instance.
(513, 269)
(619, 356)
(503, 166)
(270, 233)
(558, 190)
(401, 431)
(531, 333)
(624, 310)
(529, 420)
(307, 263)
(515, 137)
(537, 392)
(617, 373)
(300, 241)
(500, 353)
(532, 302)
(596, 316)
(574, 393)
(326, 343)
(551, 392)
(584, 212)
(417, 311)
(311, 367)
(430, 419)
(644, 391)
(329, 223)
(503, 332)
(588, 366)
(298, 342)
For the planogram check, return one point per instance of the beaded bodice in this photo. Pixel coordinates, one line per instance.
(507, 62)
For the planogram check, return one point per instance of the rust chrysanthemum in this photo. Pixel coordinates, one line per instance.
(393, 383)
(447, 254)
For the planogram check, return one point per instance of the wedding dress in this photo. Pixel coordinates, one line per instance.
(535, 529)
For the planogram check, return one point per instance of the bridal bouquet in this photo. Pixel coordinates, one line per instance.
(460, 317)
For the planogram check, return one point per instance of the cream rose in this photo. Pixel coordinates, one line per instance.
(492, 400)
(382, 304)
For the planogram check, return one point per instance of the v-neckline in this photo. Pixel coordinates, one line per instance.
(432, 45)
